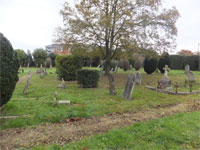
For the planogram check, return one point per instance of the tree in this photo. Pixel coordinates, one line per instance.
(29, 59)
(21, 56)
(53, 58)
(113, 25)
(9, 66)
(40, 56)
(185, 53)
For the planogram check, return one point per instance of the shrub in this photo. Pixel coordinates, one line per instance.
(139, 63)
(53, 58)
(40, 56)
(67, 67)
(88, 78)
(124, 64)
(9, 66)
(48, 62)
(150, 65)
(164, 60)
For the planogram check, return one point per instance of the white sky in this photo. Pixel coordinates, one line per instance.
(30, 24)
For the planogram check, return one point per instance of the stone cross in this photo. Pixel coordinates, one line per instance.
(166, 70)
(130, 83)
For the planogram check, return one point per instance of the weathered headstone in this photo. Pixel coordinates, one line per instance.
(116, 69)
(64, 102)
(98, 66)
(164, 82)
(130, 83)
(27, 83)
(62, 85)
(138, 79)
(28, 65)
(190, 74)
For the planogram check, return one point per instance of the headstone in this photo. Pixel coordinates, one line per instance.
(129, 87)
(62, 85)
(138, 79)
(27, 83)
(63, 102)
(98, 66)
(190, 74)
(116, 68)
(28, 65)
(164, 82)
(166, 69)
(50, 65)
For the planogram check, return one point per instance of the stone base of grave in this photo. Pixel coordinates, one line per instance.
(163, 83)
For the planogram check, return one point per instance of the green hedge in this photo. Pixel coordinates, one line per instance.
(9, 66)
(178, 62)
(88, 78)
(164, 60)
(67, 67)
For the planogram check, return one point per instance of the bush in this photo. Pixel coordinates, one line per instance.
(40, 56)
(150, 65)
(53, 58)
(139, 63)
(67, 67)
(88, 78)
(124, 64)
(9, 66)
(48, 62)
(164, 60)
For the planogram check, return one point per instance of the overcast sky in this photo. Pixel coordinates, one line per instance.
(30, 24)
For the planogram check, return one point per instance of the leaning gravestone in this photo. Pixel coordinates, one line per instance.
(164, 82)
(190, 74)
(138, 78)
(27, 83)
(129, 87)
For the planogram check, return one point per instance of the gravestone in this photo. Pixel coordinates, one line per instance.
(129, 86)
(138, 79)
(190, 74)
(62, 85)
(164, 82)
(27, 83)
(116, 68)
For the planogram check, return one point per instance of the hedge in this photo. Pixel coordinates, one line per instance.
(67, 67)
(178, 62)
(150, 65)
(88, 78)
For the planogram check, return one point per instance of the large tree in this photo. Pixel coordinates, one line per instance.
(113, 25)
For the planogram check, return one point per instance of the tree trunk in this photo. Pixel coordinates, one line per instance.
(110, 78)
(111, 83)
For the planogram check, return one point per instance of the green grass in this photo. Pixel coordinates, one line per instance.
(38, 108)
(177, 132)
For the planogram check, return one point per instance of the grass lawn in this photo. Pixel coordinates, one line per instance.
(177, 132)
(37, 108)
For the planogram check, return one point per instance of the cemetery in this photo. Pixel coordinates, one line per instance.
(113, 77)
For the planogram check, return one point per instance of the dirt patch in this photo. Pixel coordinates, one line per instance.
(63, 133)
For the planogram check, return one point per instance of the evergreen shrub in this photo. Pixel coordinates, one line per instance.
(67, 67)
(9, 66)
(88, 78)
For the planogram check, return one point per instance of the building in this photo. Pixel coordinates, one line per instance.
(58, 49)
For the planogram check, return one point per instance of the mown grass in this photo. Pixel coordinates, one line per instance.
(177, 132)
(37, 105)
